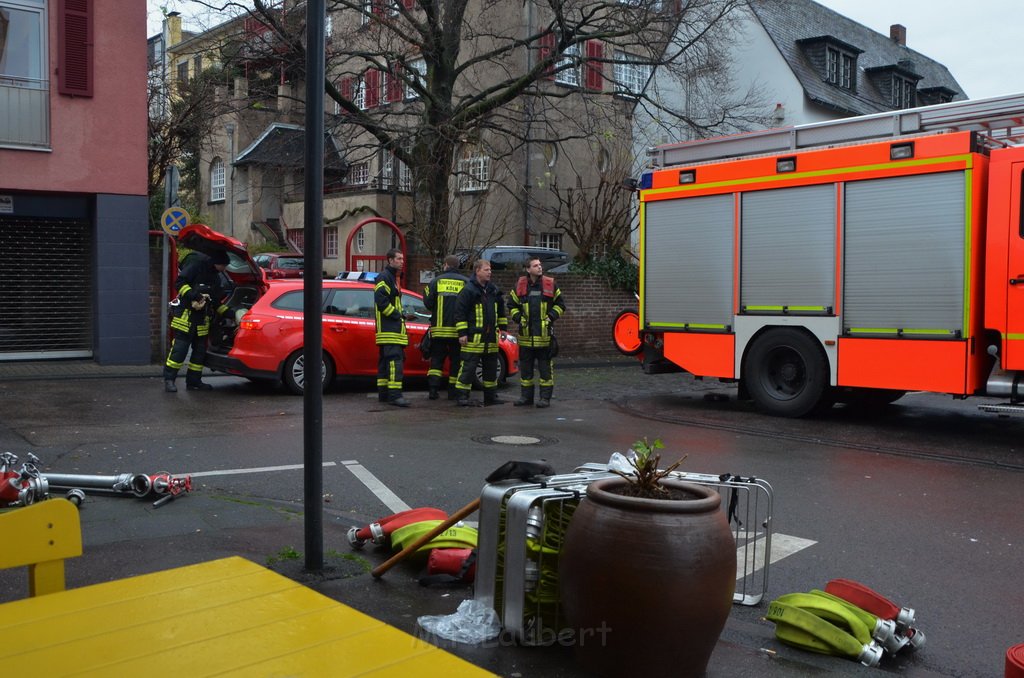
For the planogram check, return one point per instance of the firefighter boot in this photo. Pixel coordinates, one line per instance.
(169, 386)
(491, 397)
(545, 396)
(382, 394)
(453, 392)
(432, 393)
(526, 396)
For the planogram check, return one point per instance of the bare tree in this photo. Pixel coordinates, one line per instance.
(461, 92)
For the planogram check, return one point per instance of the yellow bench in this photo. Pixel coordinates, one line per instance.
(41, 536)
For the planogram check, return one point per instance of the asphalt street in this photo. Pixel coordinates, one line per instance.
(920, 501)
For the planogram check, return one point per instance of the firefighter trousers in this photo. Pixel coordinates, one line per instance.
(545, 366)
(389, 371)
(183, 341)
(440, 351)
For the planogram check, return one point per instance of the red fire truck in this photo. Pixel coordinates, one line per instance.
(851, 260)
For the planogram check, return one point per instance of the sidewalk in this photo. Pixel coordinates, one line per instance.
(28, 370)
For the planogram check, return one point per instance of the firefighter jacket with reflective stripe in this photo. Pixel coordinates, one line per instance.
(479, 316)
(535, 305)
(387, 297)
(439, 296)
(197, 278)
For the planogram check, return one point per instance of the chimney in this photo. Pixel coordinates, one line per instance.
(898, 34)
(173, 21)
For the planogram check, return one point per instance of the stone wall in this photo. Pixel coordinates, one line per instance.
(590, 309)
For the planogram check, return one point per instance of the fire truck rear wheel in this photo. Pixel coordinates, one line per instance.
(786, 373)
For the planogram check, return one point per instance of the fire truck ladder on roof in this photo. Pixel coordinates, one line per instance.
(1000, 120)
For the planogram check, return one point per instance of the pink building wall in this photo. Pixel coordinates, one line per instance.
(99, 143)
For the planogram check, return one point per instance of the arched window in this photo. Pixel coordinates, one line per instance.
(217, 180)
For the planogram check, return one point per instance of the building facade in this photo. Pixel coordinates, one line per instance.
(73, 204)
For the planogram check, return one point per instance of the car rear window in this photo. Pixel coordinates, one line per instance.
(291, 263)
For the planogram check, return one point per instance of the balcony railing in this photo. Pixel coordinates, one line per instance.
(24, 112)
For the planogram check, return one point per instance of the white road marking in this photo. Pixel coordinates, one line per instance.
(750, 556)
(379, 489)
(258, 469)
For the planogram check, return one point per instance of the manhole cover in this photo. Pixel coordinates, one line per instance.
(514, 440)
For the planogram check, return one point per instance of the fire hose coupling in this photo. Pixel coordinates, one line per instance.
(905, 618)
(871, 655)
(353, 538)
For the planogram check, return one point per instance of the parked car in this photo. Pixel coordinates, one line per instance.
(281, 264)
(261, 337)
(268, 341)
(515, 257)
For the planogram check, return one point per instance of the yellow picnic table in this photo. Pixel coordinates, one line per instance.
(227, 617)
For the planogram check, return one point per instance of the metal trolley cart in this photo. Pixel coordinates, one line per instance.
(522, 526)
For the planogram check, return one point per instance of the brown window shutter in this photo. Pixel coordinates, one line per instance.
(372, 88)
(395, 86)
(75, 55)
(546, 45)
(595, 68)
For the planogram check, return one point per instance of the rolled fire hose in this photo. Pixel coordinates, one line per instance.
(868, 599)
(802, 629)
(378, 532)
(452, 538)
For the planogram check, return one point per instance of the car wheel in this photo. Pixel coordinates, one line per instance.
(786, 373)
(478, 378)
(294, 375)
(626, 333)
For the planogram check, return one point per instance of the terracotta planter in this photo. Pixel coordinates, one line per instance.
(647, 584)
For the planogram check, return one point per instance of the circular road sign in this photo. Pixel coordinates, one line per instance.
(173, 220)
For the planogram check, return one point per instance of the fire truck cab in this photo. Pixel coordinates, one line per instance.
(852, 260)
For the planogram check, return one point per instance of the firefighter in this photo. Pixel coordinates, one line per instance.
(479, 318)
(199, 288)
(439, 296)
(535, 304)
(392, 337)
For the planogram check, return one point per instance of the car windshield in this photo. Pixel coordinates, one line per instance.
(414, 305)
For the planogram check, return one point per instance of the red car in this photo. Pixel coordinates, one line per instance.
(281, 264)
(262, 337)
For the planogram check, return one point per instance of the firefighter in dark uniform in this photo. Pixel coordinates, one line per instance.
(535, 304)
(199, 290)
(392, 337)
(479, 318)
(439, 297)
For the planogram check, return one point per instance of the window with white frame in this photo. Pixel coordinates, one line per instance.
(418, 72)
(360, 240)
(367, 10)
(394, 9)
(630, 74)
(23, 73)
(382, 97)
(217, 180)
(903, 91)
(404, 177)
(568, 67)
(330, 242)
(839, 68)
(474, 170)
(359, 174)
(553, 240)
(328, 26)
(359, 93)
(297, 237)
(652, 5)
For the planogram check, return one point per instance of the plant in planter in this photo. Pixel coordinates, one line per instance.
(647, 572)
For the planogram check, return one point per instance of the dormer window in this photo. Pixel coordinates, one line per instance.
(839, 67)
(896, 83)
(903, 91)
(834, 59)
